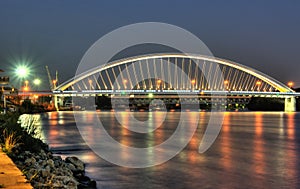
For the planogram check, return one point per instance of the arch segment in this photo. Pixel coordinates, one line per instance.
(238, 77)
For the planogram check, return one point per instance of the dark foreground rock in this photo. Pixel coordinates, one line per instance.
(44, 170)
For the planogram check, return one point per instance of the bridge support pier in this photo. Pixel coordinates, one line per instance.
(290, 104)
(55, 100)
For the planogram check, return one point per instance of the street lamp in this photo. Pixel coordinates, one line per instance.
(158, 84)
(54, 83)
(22, 72)
(37, 83)
(226, 83)
(258, 83)
(90, 82)
(193, 84)
(290, 84)
(26, 86)
(125, 82)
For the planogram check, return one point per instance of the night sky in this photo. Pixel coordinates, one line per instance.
(264, 35)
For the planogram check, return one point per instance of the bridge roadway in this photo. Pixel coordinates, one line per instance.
(290, 97)
(164, 93)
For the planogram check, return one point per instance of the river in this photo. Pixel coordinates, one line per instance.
(253, 150)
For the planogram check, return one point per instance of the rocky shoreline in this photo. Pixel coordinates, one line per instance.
(32, 156)
(45, 170)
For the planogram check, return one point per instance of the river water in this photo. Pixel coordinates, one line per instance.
(253, 150)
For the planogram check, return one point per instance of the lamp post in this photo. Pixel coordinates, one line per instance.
(4, 100)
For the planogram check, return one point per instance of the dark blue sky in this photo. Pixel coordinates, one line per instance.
(262, 34)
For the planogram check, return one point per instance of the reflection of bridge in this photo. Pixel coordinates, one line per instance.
(166, 74)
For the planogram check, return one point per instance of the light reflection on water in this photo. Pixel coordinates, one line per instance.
(253, 150)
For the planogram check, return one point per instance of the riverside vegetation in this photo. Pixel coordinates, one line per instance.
(36, 161)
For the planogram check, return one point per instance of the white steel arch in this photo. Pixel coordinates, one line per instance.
(259, 75)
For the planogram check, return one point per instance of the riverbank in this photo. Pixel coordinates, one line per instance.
(36, 161)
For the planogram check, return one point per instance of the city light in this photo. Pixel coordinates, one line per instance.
(290, 84)
(26, 83)
(125, 82)
(258, 83)
(226, 83)
(26, 88)
(37, 82)
(150, 95)
(54, 83)
(22, 71)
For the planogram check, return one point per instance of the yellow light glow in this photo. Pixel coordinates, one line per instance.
(37, 81)
(290, 84)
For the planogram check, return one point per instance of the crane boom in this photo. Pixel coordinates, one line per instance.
(56, 77)
(49, 78)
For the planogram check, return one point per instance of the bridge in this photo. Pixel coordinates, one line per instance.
(169, 74)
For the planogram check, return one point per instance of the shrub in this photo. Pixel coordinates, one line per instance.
(10, 140)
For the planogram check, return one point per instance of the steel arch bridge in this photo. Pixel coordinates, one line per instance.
(174, 73)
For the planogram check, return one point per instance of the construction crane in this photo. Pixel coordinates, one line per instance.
(52, 82)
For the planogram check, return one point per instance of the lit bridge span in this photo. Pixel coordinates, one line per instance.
(172, 73)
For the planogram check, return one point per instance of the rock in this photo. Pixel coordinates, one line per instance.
(49, 155)
(79, 165)
(86, 182)
(93, 184)
(48, 168)
(42, 163)
(57, 161)
(65, 180)
(45, 173)
(71, 167)
(57, 158)
(30, 161)
(27, 153)
(50, 162)
(43, 154)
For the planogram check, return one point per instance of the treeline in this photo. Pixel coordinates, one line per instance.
(266, 104)
(269, 104)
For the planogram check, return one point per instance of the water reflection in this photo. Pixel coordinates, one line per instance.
(291, 125)
(226, 148)
(253, 150)
(258, 143)
(258, 124)
(291, 159)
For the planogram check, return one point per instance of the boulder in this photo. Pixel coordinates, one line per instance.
(79, 165)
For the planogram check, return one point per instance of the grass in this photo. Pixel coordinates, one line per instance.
(10, 140)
